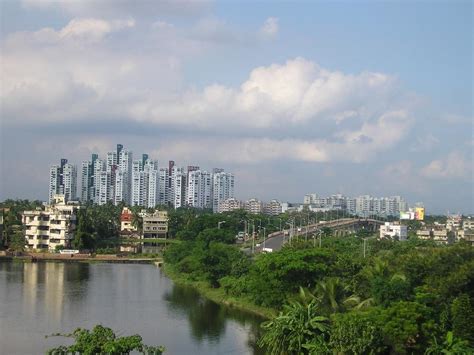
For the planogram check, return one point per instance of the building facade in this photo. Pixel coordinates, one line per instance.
(155, 225)
(53, 227)
(63, 181)
(395, 231)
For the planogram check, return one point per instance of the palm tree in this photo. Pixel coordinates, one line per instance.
(293, 329)
(450, 346)
(331, 294)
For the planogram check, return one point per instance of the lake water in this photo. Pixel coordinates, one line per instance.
(38, 299)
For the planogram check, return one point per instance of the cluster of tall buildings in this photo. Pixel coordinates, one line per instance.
(362, 206)
(141, 182)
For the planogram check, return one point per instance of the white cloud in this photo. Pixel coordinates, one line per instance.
(118, 8)
(270, 27)
(333, 116)
(425, 143)
(453, 165)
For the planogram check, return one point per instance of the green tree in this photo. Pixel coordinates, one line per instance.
(450, 346)
(294, 330)
(463, 318)
(102, 340)
(356, 333)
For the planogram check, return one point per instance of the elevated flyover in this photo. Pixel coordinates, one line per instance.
(339, 227)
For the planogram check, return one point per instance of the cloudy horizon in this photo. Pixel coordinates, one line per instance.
(322, 98)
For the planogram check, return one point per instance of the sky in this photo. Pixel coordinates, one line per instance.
(293, 97)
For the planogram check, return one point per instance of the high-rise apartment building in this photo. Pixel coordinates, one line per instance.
(140, 182)
(63, 180)
(199, 190)
(223, 188)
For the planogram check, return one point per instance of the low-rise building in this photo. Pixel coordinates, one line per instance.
(273, 208)
(454, 222)
(230, 204)
(155, 225)
(127, 228)
(53, 227)
(468, 223)
(393, 230)
(253, 206)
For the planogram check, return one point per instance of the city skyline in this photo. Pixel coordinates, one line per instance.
(377, 100)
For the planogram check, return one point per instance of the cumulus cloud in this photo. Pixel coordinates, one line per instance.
(270, 27)
(454, 165)
(315, 114)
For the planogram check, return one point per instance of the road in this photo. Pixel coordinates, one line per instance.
(276, 240)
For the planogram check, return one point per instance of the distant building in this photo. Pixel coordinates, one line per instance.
(272, 208)
(127, 229)
(394, 231)
(55, 226)
(454, 222)
(438, 234)
(230, 204)
(155, 225)
(1, 228)
(362, 206)
(253, 206)
(223, 187)
(63, 181)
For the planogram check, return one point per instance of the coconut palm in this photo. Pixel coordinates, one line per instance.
(293, 329)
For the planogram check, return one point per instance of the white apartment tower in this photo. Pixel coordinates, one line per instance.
(163, 189)
(199, 190)
(223, 188)
(63, 180)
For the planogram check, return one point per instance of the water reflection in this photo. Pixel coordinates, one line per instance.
(37, 299)
(207, 319)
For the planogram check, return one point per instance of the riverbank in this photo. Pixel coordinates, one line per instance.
(218, 295)
(100, 258)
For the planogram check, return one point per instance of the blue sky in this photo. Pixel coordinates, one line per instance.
(294, 97)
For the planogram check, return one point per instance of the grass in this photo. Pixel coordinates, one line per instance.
(218, 295)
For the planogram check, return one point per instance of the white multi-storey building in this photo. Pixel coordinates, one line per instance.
(87, 179)
(63, 180)
(395, 231)
(199, 189)
(178, 186)
(52, 227)
(363, 206)
(273, 208)
(123, 176)
(223, 188)
(230, 204)
(163, 187)
(254, 206)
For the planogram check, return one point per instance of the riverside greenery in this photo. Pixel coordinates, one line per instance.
(410, 297)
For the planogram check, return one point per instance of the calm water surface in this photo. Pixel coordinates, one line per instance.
(38, 299)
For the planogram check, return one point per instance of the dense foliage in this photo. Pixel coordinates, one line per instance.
(403, 297)
(102, 340)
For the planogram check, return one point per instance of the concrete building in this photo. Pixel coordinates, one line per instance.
(87, 179)
(63, 181)
(163, 187)
(222, 188)
(363, 206)
(155, 225)
(393, 230)
(55, 226)
(253, 206)
(199, 189)
(179, 187)
(127, 229)
(272, 208)
(230, 204)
